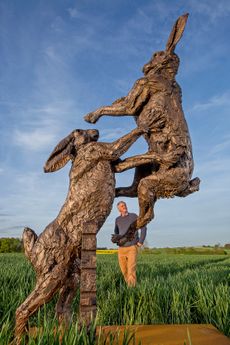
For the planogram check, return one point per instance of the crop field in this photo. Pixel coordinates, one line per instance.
(171, 289)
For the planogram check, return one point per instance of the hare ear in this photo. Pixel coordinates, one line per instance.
(60, 155)
(176, 33)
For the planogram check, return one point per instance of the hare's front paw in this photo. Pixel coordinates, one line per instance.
(144, 129)
(91, 118)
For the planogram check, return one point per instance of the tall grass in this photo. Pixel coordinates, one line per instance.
(171, 289)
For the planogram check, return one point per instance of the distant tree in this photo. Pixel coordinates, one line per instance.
(10, 245)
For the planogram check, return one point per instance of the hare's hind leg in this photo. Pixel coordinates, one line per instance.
(131, 191)
(67, 294)
(165, 184)
(146, 198)
(44, 290)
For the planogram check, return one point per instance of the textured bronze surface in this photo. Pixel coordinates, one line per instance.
(56, 253)
(155, 101)
(63, 256)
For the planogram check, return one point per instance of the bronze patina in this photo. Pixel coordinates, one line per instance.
(155, 101)
(63, 255)
(56, 253)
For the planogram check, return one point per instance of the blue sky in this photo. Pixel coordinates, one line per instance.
(62, 59)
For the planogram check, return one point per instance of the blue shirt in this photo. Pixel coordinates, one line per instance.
(121, 226)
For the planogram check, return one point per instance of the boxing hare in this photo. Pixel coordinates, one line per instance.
(155, 101)
(55, 254)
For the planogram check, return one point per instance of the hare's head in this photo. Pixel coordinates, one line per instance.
(163, 63)
(68, 147)
(167, 61)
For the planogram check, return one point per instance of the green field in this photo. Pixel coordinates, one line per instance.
(170, 289)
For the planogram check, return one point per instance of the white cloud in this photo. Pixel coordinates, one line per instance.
(35, 140)
(222, 100)
(73, 12)
(211, 9)
(212, 166)
(51, 111)
(113, 133)
(58, 24)
(51, 53)
(221, 146)
(34, 198)
(123, 85)
(41, 125)
(133, 36)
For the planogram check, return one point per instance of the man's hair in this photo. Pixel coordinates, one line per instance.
(121, 202)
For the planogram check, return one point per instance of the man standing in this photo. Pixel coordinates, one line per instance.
(127, 252)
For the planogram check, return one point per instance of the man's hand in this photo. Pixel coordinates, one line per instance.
(139, 244)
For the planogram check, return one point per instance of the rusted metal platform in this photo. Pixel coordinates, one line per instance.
(191, 334)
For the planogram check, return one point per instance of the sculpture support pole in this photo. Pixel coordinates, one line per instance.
(88, 306)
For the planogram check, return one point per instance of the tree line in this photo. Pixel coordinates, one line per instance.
(10, 245)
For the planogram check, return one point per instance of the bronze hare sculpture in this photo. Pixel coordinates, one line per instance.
(164, 171)
(55, 253)
(155, 101)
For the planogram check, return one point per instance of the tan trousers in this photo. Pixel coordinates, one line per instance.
(127, 257)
